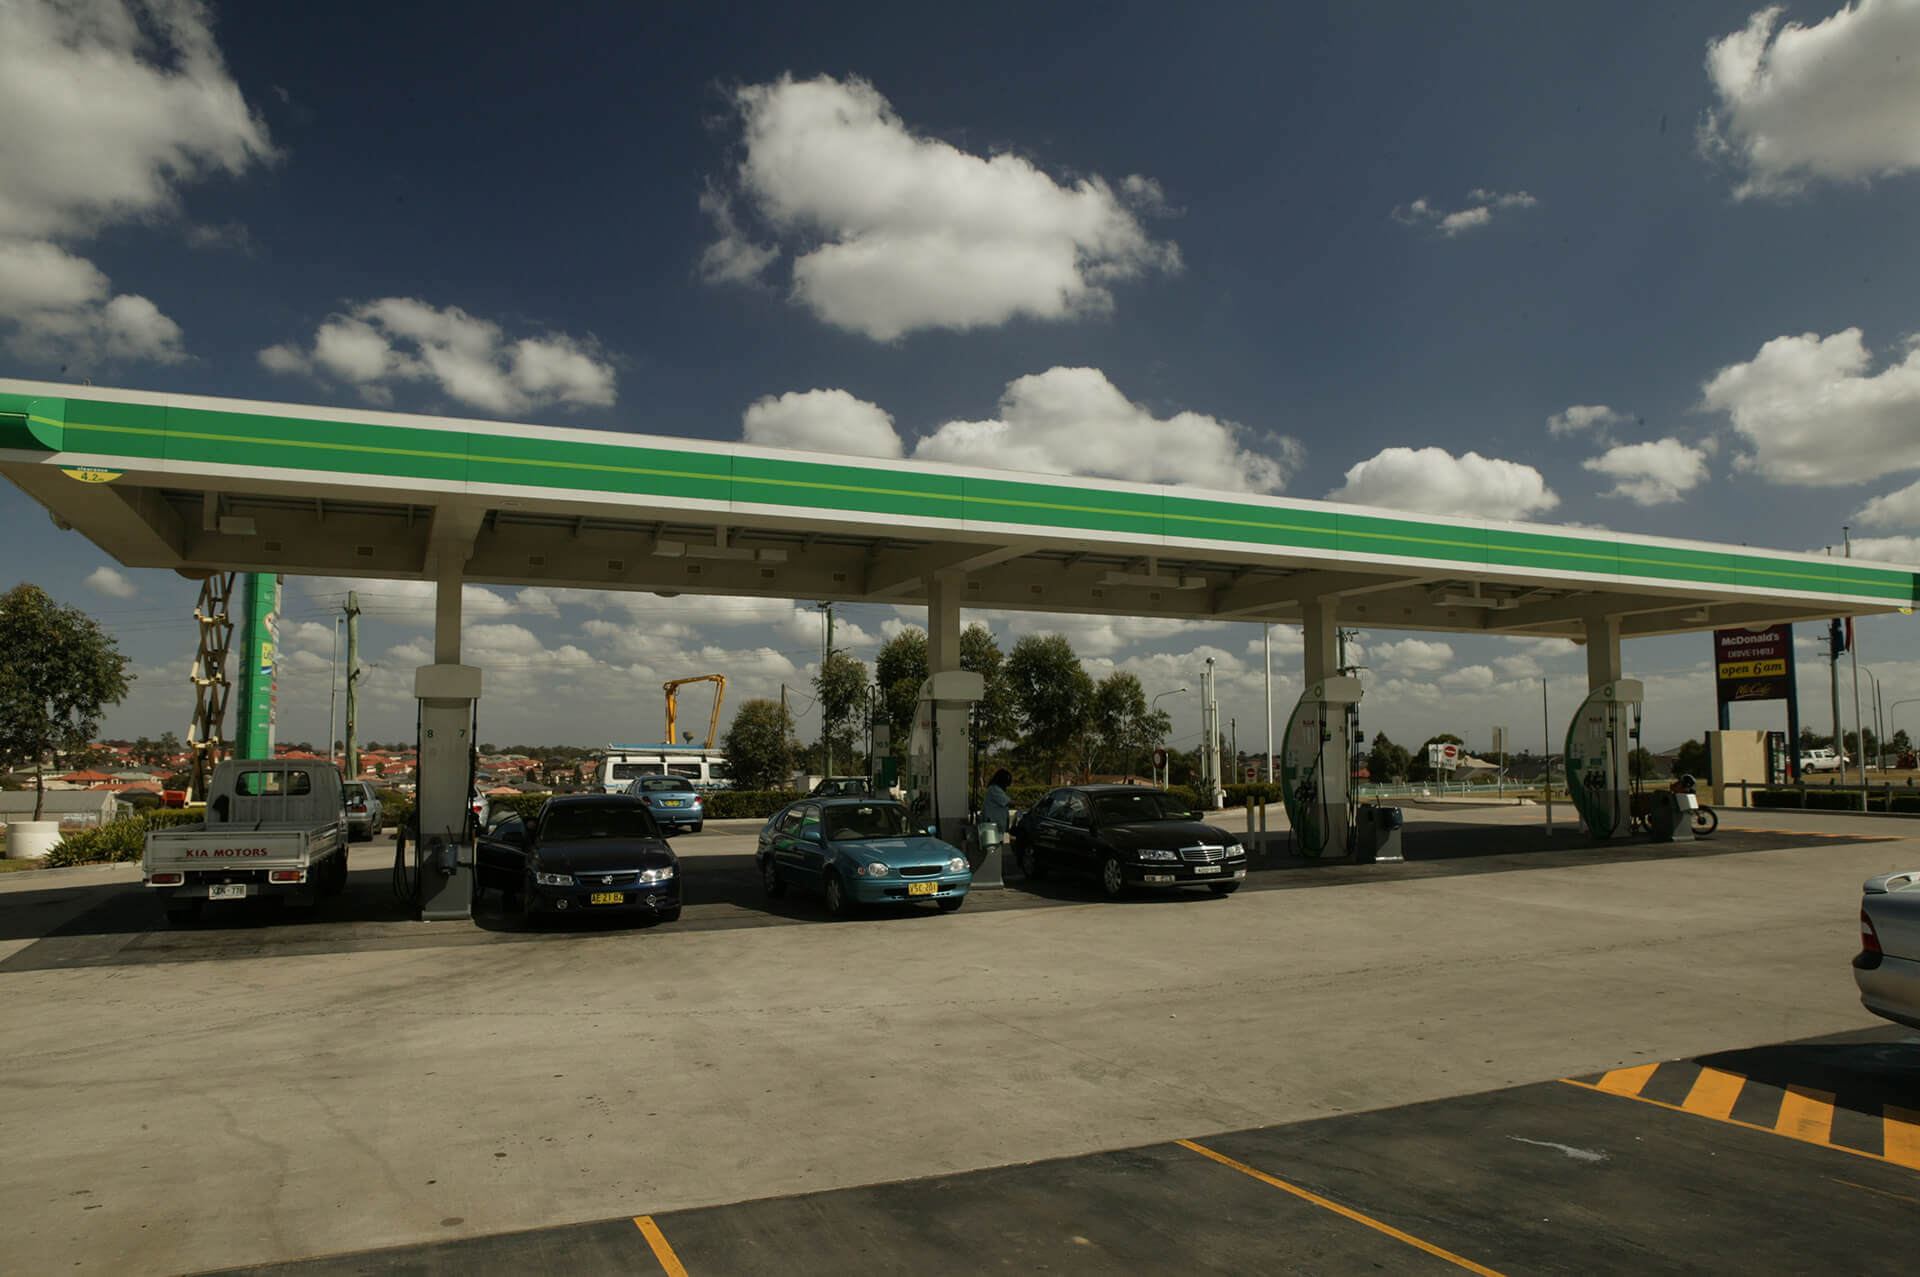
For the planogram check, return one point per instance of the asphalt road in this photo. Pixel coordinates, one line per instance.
(1514, 1053)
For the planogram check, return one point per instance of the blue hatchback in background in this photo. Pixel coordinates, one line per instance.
(676, 805)
(860, 851)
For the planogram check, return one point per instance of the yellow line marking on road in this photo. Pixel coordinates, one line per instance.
(1900, 1135)
(1714, 1093)
(669, 1262)
(1628, 1081)
(1806, 1114)
(1868, 1188)
(1730, 1121)
(1343, 1211)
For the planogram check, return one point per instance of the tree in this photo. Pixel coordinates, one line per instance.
(1642, 764)
(1387, 761)
(169, 747)
(1694, 759)
(759, 745)
(1051, 694)
(842, 687)
(1124, 730)
(995, 713)
(58, 673)
(899, 671)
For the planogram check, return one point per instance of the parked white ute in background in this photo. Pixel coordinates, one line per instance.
(1822, 760)
(1887, 968)
(273, 828)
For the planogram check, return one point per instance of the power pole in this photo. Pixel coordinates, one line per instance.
(826, 727)
(353, 681)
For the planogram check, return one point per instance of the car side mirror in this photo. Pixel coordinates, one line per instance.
(933, 831)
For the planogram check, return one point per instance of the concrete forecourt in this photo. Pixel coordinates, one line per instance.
(262, 1090)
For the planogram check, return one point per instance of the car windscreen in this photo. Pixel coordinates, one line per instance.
(866, 820)
(663, 785)
(1147, 805)
(587, 822)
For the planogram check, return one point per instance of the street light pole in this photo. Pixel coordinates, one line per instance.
(1153, 707)
(333, 686)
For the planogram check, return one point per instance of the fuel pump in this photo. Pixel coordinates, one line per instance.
(938, 753)
(443, 811)
(1600, 744)
(1315, 755)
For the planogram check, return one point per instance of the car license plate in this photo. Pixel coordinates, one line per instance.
(922, 888)
(1206, 869)
(227, 891)
(673, 802)
(607, 898)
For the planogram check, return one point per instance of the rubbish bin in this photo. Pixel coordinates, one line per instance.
(1377, 834)
(1670, 816)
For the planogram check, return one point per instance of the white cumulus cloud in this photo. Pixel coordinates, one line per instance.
(1479, 210)
(1835, 101)
(1894, 510)
(823, 421)
(894, 232)
(109, 106)
(1579, 417)
(1655, 473)
(1813, 412)
(111, 582)
(380, 344)
(1888, 549)
(1075, 421)
(1434, 481)
(1415, 655)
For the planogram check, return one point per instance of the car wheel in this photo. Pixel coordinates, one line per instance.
(527, 915)
(1029, 858)
(1112, 882)
(839, 903)
(1223, 888)
(770, 879)
(698, 825)
(949, 906)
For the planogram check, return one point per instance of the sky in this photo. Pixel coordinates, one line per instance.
(1646, 267)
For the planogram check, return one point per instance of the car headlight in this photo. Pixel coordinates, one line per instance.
(957, 865)
(1235, 849)
(545, 879)
(874, 871)
(656, 875)
(1158, 853)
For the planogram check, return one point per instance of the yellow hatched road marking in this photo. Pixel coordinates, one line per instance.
(1714, 1093)
(1806, 1114)
(669, 1262)
(1901, 1133)
(1628, 1081)
(1343, 1211)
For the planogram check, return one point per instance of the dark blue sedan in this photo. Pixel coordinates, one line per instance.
(584, 854)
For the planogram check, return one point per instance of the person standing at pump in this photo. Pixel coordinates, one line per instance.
(995, 805)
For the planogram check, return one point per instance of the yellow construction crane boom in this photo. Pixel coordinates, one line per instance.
(672, 689)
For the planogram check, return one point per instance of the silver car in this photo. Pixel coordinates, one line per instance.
(365, 814)
(1887, 969)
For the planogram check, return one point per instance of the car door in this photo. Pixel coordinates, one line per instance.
(800, 850)
(1046, 826)
(1076, 833)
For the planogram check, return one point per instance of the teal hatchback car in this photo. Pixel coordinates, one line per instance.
(860, 850)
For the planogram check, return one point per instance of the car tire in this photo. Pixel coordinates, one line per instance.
(770, 879)
(528, 918)
(950, 906)
(839, 904)
(1223, 888)
(698, 825)
(1029, 860)
(1113, 882)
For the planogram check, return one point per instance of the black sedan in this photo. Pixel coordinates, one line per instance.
(1127, 836)
(585, 853)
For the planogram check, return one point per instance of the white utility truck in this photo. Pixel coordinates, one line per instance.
(273, 828)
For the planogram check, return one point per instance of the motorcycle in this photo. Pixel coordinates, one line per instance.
(1705, 818)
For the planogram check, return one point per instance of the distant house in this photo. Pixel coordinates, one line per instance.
(73, 808)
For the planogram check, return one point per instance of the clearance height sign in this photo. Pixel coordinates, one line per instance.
(1753, 665)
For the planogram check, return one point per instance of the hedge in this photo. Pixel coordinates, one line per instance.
(119, 840)
(1905, 802)
(1779, 798)
(1832, 800)
(748, 804)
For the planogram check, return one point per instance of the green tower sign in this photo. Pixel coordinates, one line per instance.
(259, 651)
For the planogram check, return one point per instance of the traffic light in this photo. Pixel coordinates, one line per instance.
(1836, 638)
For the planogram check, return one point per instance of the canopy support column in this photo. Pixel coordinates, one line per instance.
(444, 832)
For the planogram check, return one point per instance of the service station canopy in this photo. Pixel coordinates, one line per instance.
(205, 485)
